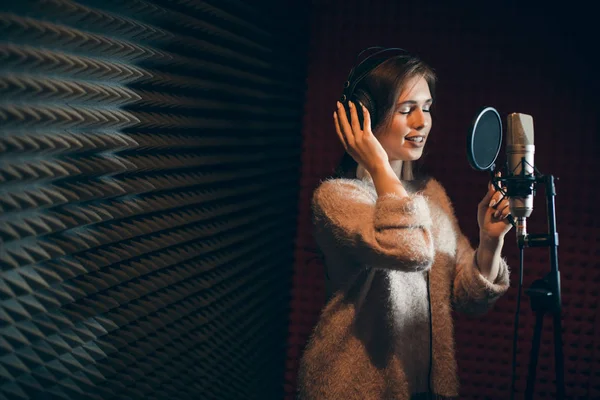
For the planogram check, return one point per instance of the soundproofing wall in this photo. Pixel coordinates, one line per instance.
(537, 60)
(149, 164)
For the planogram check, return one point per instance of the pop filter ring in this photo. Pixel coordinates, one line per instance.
(471, 156)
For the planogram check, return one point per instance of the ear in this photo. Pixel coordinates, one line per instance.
(363, 97)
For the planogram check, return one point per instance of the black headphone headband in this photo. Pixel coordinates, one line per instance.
(352, 81)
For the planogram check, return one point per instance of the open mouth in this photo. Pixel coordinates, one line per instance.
(416, 139)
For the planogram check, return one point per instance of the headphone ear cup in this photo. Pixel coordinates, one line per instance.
(363, 97)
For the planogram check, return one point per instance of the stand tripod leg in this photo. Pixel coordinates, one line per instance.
(558, 358)
(545, 296)
(535, 350)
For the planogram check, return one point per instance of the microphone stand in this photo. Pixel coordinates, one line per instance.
(544, 293)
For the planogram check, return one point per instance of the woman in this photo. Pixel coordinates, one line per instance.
(395, 255)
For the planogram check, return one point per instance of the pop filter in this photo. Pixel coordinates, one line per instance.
(484, 139)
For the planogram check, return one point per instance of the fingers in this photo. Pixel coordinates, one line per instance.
(344, 125)
(502, 209)
(336, 122)
(366, 119)
(354, 120)
(496, 197)
(496, 201)
(493, 196)
(500, 202)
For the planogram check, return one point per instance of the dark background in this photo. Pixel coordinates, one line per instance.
(537, 60)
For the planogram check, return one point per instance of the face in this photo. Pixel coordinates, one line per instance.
(405, 137)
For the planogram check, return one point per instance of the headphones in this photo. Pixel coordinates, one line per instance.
(356, 75)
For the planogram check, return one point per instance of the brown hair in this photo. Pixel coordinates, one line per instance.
(384, 84)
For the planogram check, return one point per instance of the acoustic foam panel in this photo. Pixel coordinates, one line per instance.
(148, 187)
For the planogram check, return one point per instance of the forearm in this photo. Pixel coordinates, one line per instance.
(488, 256)
(389, 232)
(386, 181)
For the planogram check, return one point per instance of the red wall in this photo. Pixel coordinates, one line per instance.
(514, 59)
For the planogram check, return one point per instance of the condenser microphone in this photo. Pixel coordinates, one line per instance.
(521, 176)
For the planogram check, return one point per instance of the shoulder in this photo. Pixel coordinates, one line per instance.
(434, 189)
(343, 189)
(436, 194)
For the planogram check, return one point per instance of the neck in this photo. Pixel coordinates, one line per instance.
(397, 167)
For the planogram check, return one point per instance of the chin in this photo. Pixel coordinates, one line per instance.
(408, 156)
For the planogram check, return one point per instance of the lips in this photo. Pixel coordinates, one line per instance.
(415, 138)
(415, 141)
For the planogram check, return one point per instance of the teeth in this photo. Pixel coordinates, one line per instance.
(417, 139)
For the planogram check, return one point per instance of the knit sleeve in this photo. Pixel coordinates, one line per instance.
(381, 232)
(472, 293)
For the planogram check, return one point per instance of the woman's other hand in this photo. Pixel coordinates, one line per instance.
(492, 214)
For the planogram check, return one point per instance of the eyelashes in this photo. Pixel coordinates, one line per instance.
(408, 112)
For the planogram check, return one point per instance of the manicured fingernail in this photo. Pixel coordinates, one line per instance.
(351, 104)
(497, 213)
(493, 202)
(339, 104)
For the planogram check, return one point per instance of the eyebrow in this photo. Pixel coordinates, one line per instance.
(413, 102)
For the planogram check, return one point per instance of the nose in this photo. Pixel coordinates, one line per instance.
(419, 120)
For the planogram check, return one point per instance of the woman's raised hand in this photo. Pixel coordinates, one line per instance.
(361, 144)
(492, 214)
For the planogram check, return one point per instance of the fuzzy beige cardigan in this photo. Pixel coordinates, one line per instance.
(373, 337)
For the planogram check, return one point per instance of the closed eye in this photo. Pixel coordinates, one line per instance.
(406, 107)
(407, 112)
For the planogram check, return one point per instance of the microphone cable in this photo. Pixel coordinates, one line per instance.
(516, 328)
